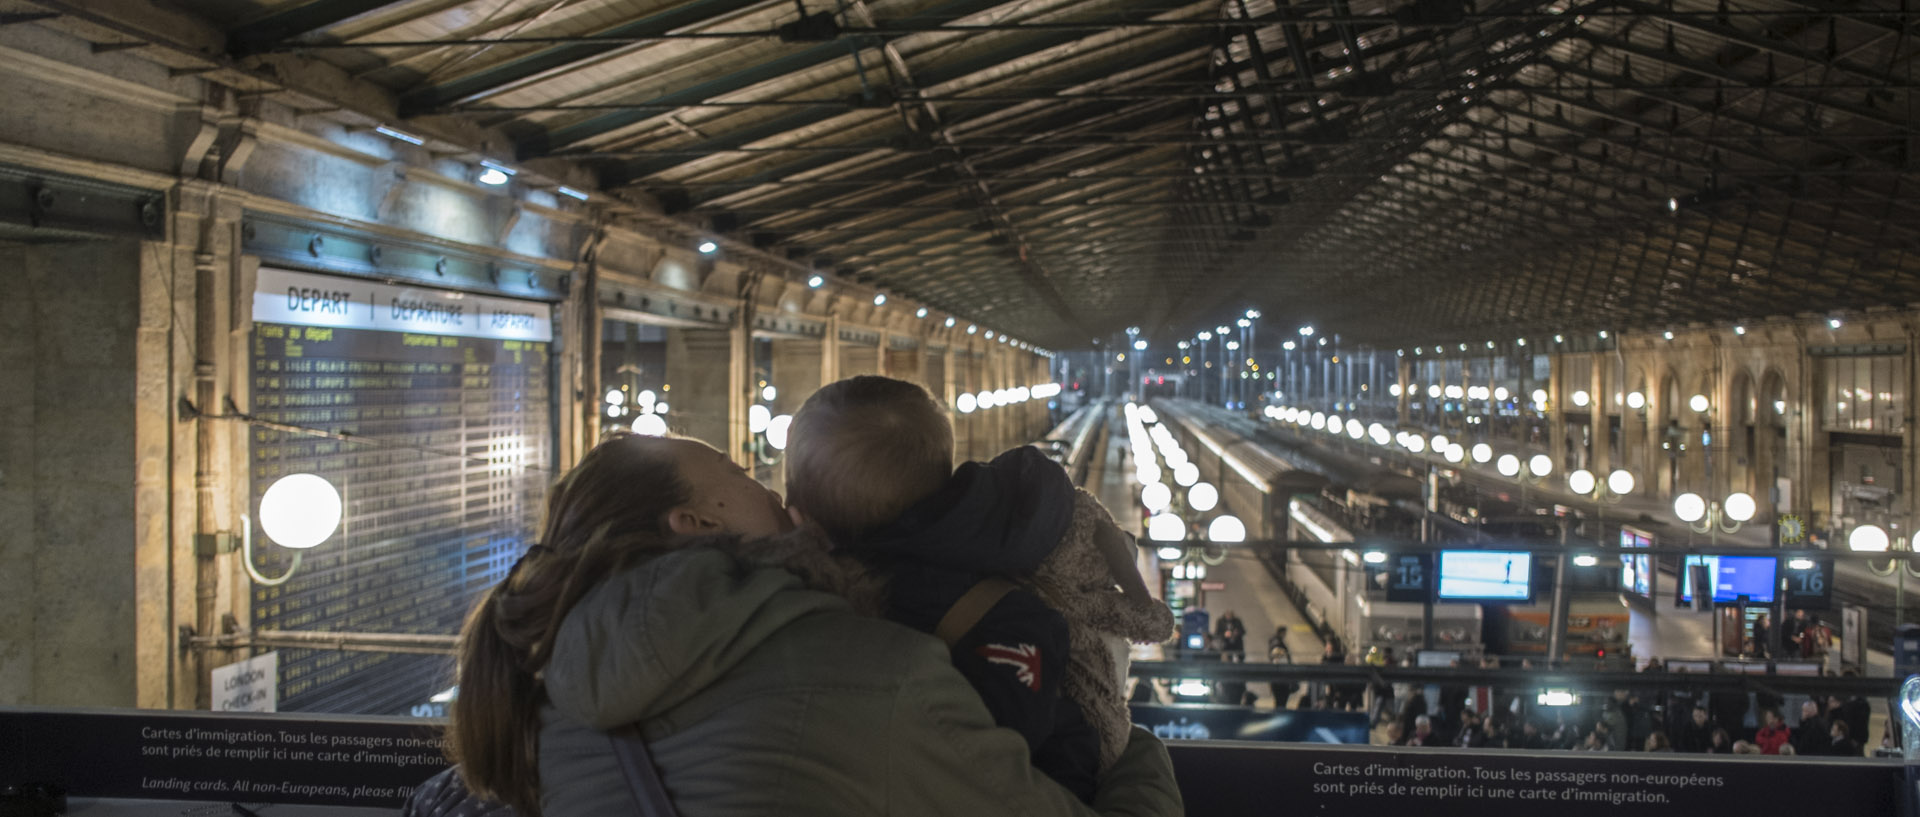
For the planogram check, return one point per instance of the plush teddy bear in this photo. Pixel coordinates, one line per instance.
(1092, 581)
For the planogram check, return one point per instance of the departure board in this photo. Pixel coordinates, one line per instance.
(441, 446)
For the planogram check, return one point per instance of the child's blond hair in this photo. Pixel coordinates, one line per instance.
(864, 450)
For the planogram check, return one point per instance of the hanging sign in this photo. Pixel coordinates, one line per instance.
(304, 299)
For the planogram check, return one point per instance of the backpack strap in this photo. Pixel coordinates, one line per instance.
(972, 606)
(643, 780)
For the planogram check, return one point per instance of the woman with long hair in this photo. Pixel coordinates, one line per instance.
(668, 594)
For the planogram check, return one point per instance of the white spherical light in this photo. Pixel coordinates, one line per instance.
(1580, 398)
(769, 393)
(1580, 482)
(1698, 402)
(1416, 443)
(1186, 474)
(1501, 393)
(1636, 400)
(1482, 452)
(1433, 391)
(1355, 430)
(777, 431)
(1868, 539)
(1166, 527)
(1156, 497)
(300, 511)
(1455, 453)
(651, 425)
(1509, 465)
(1689, 507)
(1394, 390)
(757, 418)
(616, 397)
(1379, 434)
(1319, 420)
(1541, 465)
(1739, 507)
(965, 403)
(1620, 482)
(1226, 528)
(1203, 496)
(644, 399)
(1440, 442)
(1540, 396)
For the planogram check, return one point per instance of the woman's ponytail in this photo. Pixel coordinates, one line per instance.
(494, 726)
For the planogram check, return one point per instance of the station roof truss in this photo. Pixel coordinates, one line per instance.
(1402, 171)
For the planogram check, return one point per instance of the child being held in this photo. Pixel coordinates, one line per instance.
(870, 461)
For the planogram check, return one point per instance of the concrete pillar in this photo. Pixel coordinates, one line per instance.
(73, 352)
(941, 370)
(700, 368)
(1403, 374)
(1600, 455)
(1556, 410)
(1633, 432)
(741, 388)
(830, 351)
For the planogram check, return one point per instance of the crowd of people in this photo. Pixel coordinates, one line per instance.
(1668, 721)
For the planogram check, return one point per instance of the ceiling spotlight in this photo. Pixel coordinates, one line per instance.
(949, 323)
(1603, 334)
(1668, 334)
(880, 299)
(494, 173)
(920, 313)
(708, 248)
(972, 328)
(1559, 339)
(816, 282)
(1739, 330)
(1833, 323)
(1138, 345)
(1585, 560)
(1673, 205)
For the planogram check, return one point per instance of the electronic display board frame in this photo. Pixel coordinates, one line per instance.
(1484, 576)
(434, 416)
(1636, 570)
(1759, 590)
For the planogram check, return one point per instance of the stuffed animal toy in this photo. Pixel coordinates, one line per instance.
(1091, 580)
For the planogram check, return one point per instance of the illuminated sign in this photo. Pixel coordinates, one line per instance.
(304, 299)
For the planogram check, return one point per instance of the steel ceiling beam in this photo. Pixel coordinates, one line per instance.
(288, 20)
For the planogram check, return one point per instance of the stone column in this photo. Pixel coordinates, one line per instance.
(1556, 409)
(1600, 453)
(1403, 374)
(830, 351)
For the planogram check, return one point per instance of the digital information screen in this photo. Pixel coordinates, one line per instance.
(448, 394)
(1485, 575)
(1636, 572)
(1733, 577)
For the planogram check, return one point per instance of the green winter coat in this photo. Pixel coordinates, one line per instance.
(758, 696)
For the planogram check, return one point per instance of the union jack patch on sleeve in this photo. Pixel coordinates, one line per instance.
(1024, 658)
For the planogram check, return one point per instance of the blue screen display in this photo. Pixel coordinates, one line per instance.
(1485, 575)
(1733, 577)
